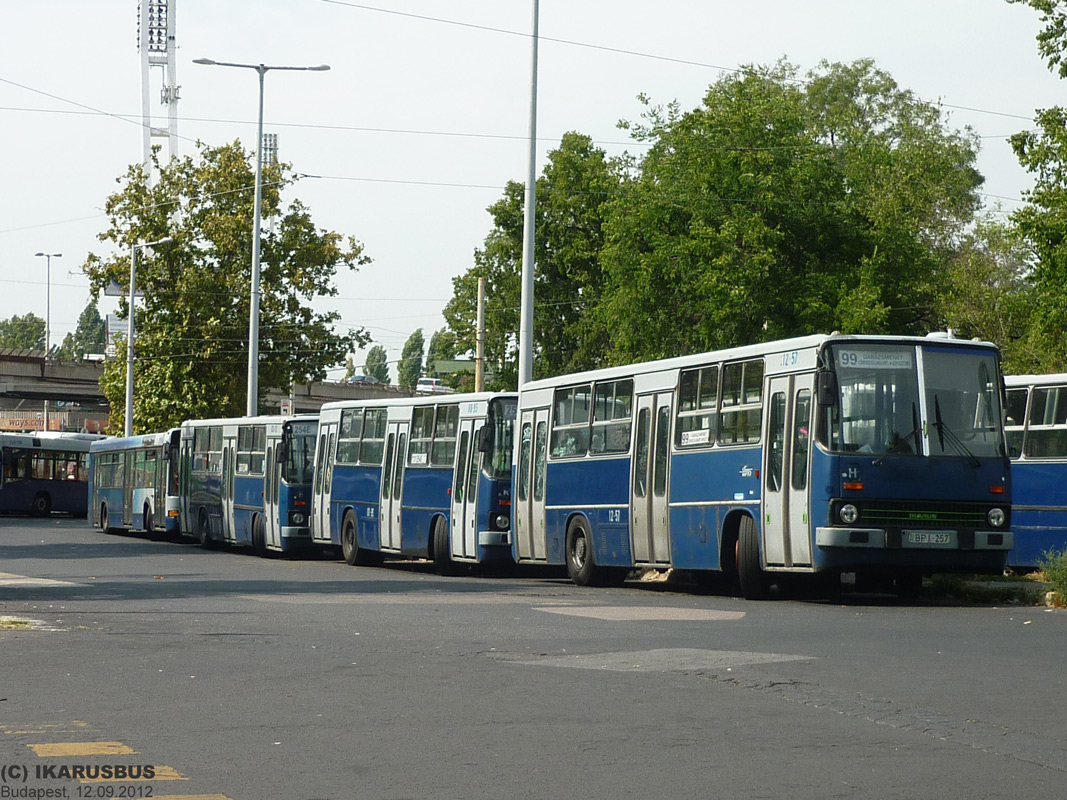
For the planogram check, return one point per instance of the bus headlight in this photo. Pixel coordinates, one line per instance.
(996, 517)
(848, 513)
(501, 522)
(297, 518)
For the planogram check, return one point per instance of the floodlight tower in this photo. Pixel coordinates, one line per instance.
(155, 41)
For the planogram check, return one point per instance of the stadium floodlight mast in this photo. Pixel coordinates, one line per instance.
(47, 315)
(128, 427)
(252, 407)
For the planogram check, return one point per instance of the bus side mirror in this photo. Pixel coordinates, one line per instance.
(283, 451)
(826, 388)
(485, 439)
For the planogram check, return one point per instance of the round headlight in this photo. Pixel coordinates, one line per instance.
(502, 522)
(996, 517)
(849, 513)
(298, 518)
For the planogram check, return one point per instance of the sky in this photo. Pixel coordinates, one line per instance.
(425, 113)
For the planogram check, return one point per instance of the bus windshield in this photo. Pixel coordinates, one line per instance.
(502, 422)
(878, 409)
(300, 459)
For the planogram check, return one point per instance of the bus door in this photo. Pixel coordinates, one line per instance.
(320, 495)
(528, 499)
(272, 484)
(464, 527)
(128, 481)
(786, 471)
(650, 528)
(393, 484)
(226, 482)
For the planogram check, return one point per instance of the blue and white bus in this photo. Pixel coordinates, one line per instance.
(247, 481)
(1037, 443)
(45, 472)
(133, 483)
(425, 477)
(708, 462)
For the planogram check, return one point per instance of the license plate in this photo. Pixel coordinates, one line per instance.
(928, 538)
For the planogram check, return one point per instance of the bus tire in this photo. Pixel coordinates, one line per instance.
(104, 527)
(203, 531)
(755, 584)
(354, 555)
(259, 539)
(41, 505)
(442, 551)
(581, 564)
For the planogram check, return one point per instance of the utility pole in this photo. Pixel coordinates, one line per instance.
(479, 341)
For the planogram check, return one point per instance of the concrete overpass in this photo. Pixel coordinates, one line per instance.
(27, 379)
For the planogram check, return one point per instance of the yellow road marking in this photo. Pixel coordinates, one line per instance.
(67, 749)
(161, 774)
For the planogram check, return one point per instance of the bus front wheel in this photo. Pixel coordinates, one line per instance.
(259, 539)
(754, 582)
(203, 531)
(581, 565)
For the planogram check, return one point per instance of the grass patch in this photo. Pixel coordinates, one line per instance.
(1054, 566)
(987, 589)
(12, 624)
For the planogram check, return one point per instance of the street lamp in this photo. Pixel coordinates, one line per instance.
(47, 314)
(128, 429)
(252, 407)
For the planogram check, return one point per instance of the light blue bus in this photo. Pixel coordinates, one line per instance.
(1037, 442)
(247, 481)
(423, 477)
(133, 483)
(874, 455)
(45, 472)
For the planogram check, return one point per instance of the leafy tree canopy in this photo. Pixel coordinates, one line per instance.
(89, 337)
(25, 332)
(1052, 39)
(192, 330)
(377, 363)
(409, 370)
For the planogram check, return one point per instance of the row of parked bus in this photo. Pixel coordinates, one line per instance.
(887, 457)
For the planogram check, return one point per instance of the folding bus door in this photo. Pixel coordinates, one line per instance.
(393, 484)
(320, 495)
(786, 472)
(649, 517)
(463, 539)
(272, 486)
(528, 497)
(229, 470)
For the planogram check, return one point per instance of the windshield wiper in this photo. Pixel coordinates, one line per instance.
(900, 444)
(944, 432)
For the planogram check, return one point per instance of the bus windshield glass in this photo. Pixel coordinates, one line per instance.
(299, 463)
(878, 409)
(502, 419)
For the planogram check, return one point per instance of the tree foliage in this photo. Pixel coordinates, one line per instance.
(1052, 39)
(26, 332)
(377, 364)
(89, 337)
(409, 370)
(192, 330)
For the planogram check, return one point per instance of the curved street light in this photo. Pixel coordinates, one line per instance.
(252, 406)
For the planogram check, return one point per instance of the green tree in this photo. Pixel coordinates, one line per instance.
(779, 208)
(377, 364)
(442, 347)
(23, 333)
(192, 329)
(89, 337)
(1052, 38)
(409, 369)
(572, 193)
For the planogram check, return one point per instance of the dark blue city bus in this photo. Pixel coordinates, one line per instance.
(423, 477)
(133, 483)
(45, 472)
(1037, 442)
(247, 481)
(879, 456)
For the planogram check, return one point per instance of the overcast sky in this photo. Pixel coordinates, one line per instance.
(424, 114)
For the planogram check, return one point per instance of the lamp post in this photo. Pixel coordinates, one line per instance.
(252, 407)
(128, 427)
(47, 314)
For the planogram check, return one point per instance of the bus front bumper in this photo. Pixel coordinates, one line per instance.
(295, 532)
(877, 538)
(494, 538)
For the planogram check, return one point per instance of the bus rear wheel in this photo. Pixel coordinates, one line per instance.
(259, 539)
(581, 564)
(442, 550)
(755, 584)
(41, 505)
